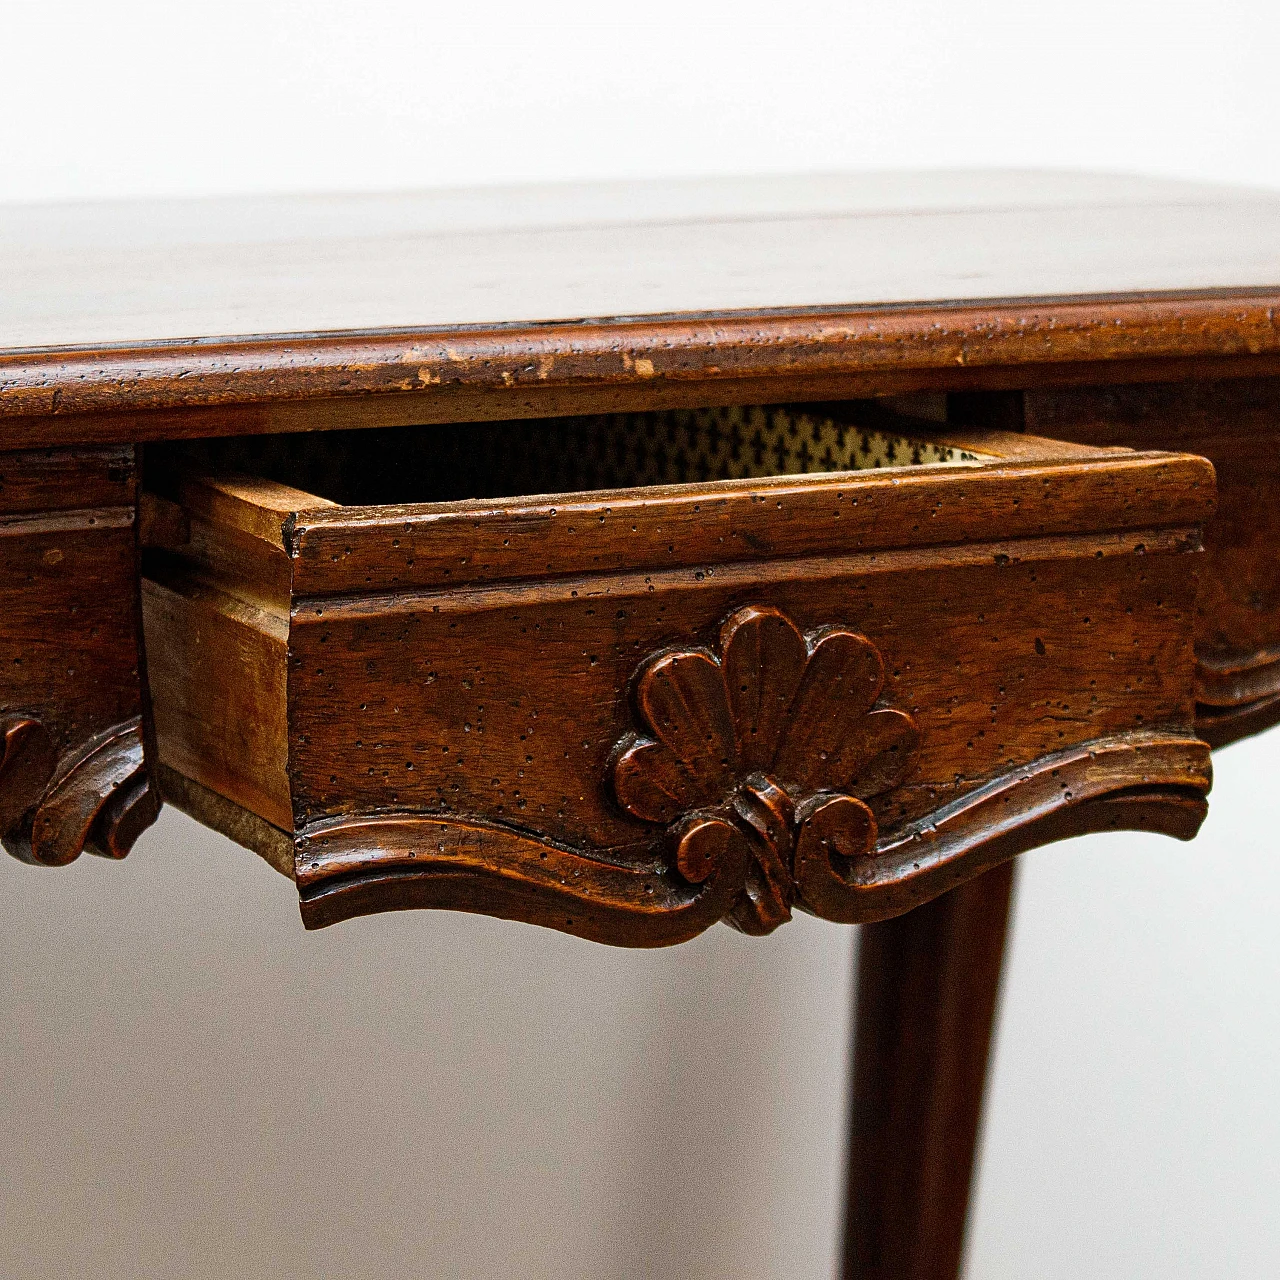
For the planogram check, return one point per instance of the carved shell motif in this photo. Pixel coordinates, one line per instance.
(774, 742)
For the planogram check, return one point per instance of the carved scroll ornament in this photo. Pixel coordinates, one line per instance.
(772, 744)
(96, 797)
(751, 764)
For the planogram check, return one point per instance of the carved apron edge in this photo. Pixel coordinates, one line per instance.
(751, 765)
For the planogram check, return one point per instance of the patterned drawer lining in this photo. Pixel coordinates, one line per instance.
(566, 455)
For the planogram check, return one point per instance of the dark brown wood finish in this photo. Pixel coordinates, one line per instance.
(632, 712)
(157, 321)
(1236, 425)
(73, 773)
(550, 708)
(304, 382)
(927, 990)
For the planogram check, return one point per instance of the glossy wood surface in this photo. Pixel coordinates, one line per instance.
(73, 738)
(158, 272)
(292, 314)
(1236, 425)
(927, 990)
(632, 712)
(534, 707)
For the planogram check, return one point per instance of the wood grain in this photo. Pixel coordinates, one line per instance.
(479, 403)
(927, 989)
(397, 310)
(303, 382)
(273, 845)
(632, 712)
(1237, 426)
(496, 696)
(171, 271)
(218, 683)
(73, 772)
(471, 544)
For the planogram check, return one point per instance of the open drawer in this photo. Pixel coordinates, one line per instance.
(758, 660)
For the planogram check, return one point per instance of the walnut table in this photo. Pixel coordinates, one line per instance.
(625, 560)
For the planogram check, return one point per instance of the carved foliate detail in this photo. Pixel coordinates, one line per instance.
(362, 863)
(96, 797)
(770, 745)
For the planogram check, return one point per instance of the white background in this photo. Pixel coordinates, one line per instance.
(190, 1086)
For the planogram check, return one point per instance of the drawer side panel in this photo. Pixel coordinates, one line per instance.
(217, 670)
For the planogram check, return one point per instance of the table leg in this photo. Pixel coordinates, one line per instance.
(927, 986)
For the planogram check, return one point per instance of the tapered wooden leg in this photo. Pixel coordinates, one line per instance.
(927, 986)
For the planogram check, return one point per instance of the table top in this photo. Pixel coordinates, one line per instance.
(125, 272)
(126, 306)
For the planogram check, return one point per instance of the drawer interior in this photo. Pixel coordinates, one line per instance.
(574, 455)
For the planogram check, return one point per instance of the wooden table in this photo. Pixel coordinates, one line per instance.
(629, 559)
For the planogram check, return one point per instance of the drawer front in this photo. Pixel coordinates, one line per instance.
(630, 714)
